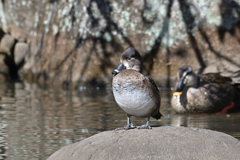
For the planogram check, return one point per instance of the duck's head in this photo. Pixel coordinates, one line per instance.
(186, 78)
(130, 59)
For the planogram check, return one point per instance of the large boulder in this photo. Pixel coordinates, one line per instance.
(8, 42)
(159, 143)
(78, 42)
(20, 51)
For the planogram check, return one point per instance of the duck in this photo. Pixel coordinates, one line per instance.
(203, 93)
(135, 94)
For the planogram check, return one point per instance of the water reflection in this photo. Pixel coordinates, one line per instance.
(35, 121)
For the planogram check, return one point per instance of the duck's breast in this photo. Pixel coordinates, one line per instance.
(133, 94)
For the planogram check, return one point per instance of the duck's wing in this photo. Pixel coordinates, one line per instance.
(152, 82)
(156, 114)
(213, 78)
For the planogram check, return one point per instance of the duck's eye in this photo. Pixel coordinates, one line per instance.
(129, 59)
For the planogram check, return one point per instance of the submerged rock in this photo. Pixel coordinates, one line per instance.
(159, 143)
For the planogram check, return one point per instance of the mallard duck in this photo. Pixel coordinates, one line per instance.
(209, 92)
(135, 93)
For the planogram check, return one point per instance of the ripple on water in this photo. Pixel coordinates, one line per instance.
(35, 121)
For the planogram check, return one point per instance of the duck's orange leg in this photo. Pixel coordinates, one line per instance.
(227, 108)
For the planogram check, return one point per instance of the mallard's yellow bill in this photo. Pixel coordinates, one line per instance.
(177, 93)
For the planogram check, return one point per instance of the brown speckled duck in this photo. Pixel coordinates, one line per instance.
(209, 92)
(135, 93)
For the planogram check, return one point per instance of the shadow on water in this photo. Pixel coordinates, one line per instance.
(37, 121)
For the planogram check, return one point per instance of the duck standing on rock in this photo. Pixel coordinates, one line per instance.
(135, 93)
(208, 92)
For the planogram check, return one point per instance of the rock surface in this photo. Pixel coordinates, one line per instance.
(4, 71)
(159, 143)
(74, 42)
(8, 42)
(20, 51)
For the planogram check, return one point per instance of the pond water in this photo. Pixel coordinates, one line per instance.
(36, 121)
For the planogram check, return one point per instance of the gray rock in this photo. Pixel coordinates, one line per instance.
(8, 43)
(4, 71)
(87, 39)
(20, 51)
(159, 143)
(30, 58)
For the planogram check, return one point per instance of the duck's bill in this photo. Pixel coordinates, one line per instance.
(119, 69)
(177, 93)
(179, 89)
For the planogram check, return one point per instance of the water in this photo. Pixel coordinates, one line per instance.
(36, 121)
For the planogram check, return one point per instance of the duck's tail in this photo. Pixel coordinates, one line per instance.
(236, 98)
(157, 116)
(237, 86)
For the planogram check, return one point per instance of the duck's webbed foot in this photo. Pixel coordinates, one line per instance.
(227, 108)
(128, 126)
(145, 126)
